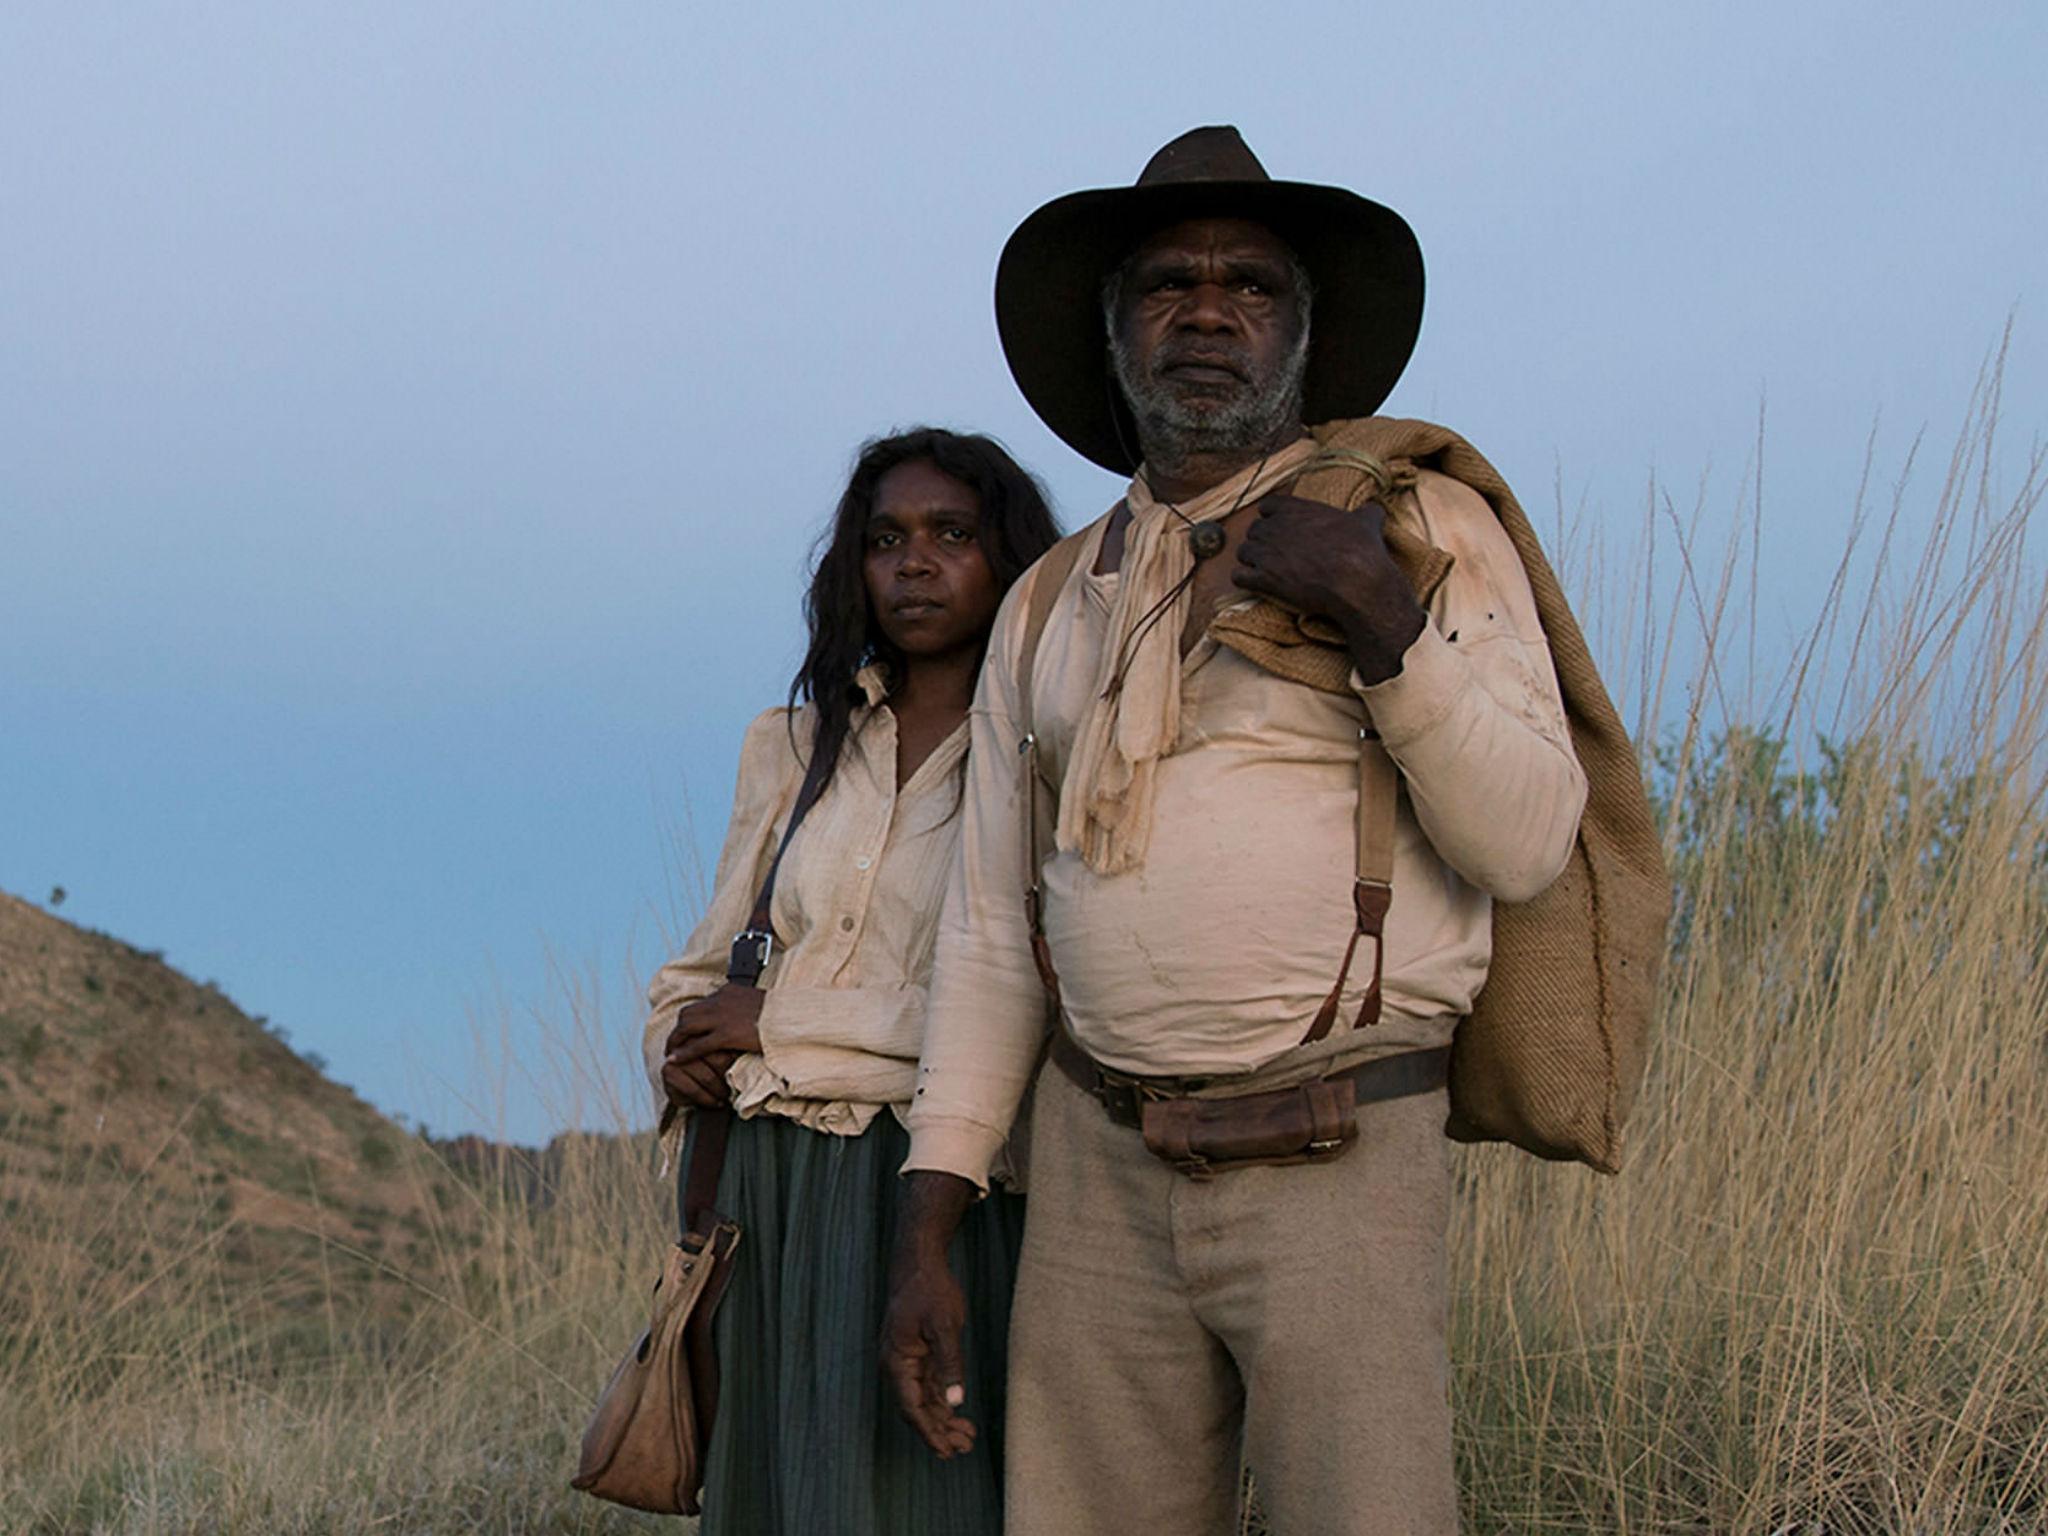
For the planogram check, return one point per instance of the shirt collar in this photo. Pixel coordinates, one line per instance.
(872, 681)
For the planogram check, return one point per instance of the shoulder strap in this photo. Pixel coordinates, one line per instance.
(697, 1193)
(1054, 567)
(1050, 579)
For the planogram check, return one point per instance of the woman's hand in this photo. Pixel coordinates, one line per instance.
(709, 1036)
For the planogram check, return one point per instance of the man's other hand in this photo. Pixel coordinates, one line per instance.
(927, 1312)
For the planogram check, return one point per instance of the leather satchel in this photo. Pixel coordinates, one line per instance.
(646, 1441)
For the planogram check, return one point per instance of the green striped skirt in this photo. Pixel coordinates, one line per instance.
(808, 1438)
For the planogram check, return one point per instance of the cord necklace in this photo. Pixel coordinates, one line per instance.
(1205, 541)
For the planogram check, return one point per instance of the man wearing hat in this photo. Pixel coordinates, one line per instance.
(1260, 932)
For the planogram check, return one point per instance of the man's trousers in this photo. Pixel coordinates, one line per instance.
(1166, 1328)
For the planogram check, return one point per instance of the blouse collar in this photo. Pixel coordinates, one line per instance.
(872, 681)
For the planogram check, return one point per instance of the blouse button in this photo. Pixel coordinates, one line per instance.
(862, 862)
(846, 925)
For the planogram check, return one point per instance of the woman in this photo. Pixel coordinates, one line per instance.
(819, 1063)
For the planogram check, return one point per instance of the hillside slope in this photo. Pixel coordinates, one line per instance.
(144, 1116)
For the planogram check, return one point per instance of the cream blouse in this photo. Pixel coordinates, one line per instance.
(855, 913)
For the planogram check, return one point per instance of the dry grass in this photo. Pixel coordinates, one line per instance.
(1814, 1302)
(170, 1399)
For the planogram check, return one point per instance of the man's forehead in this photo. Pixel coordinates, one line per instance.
(1234, 239)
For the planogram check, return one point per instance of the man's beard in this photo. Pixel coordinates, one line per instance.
(1173, 429)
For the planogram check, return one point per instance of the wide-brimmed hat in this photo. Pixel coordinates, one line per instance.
(1362, 257)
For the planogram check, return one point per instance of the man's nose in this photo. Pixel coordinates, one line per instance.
(1207, 307)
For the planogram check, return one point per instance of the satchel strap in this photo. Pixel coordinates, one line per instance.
(697, 1193)
(754, 944)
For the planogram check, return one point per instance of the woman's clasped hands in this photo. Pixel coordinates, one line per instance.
(709, 1036)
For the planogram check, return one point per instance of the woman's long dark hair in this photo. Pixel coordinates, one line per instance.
(1016, 528)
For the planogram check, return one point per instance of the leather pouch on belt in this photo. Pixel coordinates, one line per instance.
(1309, 1123)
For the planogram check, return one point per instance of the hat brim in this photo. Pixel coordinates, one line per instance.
(1362, 257)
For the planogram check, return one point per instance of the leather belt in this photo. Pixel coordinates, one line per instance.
(1123, 1095)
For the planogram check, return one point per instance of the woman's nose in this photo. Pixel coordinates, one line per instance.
(918, 558)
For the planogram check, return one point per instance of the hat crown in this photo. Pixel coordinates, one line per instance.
(1203, 154)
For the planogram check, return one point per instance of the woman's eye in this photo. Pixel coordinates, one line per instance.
(883, 540)
(957, 536)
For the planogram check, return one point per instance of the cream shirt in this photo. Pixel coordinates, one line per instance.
(1214, 956)
(855, 909)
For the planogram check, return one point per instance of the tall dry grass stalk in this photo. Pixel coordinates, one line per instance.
(1813, 1303)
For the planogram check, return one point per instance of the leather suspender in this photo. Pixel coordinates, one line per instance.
(1036, 791)
(1372, 889)
(752, 947)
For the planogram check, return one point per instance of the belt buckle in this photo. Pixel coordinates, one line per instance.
(1121, 1097)
(1124, 1096)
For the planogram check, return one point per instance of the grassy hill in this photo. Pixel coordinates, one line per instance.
(145, 1120)
(233, 1296)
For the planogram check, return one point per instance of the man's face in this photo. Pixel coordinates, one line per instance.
(1208, 335)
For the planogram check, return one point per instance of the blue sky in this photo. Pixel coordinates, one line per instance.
(414, 417)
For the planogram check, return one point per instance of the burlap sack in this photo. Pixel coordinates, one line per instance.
(1553, 1052)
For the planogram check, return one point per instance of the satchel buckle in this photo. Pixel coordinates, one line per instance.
(751, 949)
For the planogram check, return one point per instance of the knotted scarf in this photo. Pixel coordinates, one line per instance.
(1133, 716)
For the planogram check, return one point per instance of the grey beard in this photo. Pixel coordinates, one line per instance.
(1172, 431)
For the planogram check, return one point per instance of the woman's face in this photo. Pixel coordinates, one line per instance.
(929, 582)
